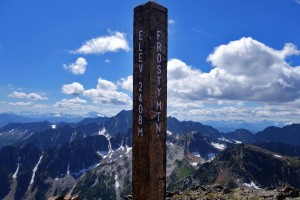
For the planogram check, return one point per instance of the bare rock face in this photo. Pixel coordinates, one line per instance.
(94, 159)
(247, 165)
(217, 192)
(56, 198)
(214, 192)
(68, 197)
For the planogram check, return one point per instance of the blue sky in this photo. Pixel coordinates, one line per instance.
(227, 59)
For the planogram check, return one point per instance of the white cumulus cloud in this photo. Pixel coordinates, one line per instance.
(110, 43)
(289, 50)
(77, 68)
(244, 69)
(249, 80)
(126, 83)
(21, 103)
(19, 95)
(40, 106)
(106, 92)
(32, 96)
(74, 103)
(74, 88)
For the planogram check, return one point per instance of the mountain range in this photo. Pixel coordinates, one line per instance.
(26, 117)
(231, 125)
(92, 157)
(221, 125)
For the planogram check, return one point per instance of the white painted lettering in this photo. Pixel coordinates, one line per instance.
(158, 34)
(141, 67)
(158, 46)
(158, 80)
(158, 91)
(141, 86)
(158, 69)
(158, 105)
(141, 35)
(158, 116)
(158, 127)
(158, 72)
(140, 83)
(140, 109)
(140, 57)
(140, 131)
(158, 57)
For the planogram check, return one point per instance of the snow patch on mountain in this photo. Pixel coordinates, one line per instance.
(68, 169)
(104, 133)
(72, 136)
(110, 150)
(17, 170)
(211, 156)
(252, 184)
(35, 169)
(196, 154)
(224, 139)
(237, 142)
(128, 149)
(82, 171)
(169, 133)
(218, 146)
(121, 148)
(117, 182)
(103, 154)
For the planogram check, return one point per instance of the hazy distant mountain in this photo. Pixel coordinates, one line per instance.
(93, 115)
(6, 118)
(26, 117)
(99, 120)
(231, 125)
(180, 127)
(118, 126)
(55, 117)
(242, 136)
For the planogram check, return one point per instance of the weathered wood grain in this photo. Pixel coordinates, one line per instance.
(149, 101)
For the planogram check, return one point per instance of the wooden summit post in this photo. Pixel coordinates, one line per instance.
(150, 37)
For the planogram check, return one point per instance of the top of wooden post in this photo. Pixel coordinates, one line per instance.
(151, 4)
